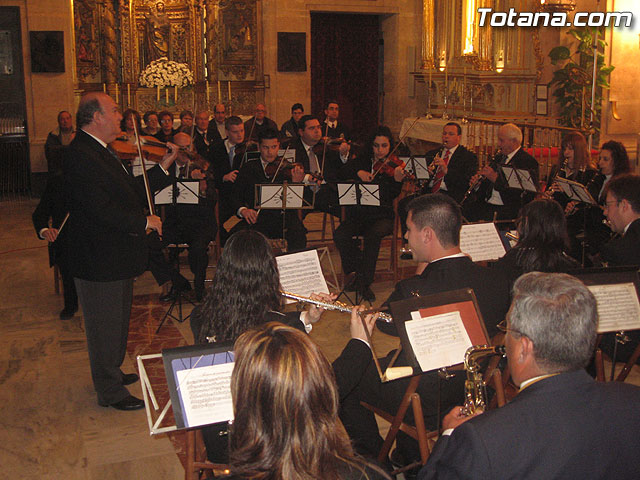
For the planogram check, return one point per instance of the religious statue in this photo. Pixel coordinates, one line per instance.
(158, 34)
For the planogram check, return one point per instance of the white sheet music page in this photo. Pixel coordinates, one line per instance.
(370, 194)
(481, 242)
(301, 273)
(439, 340)
(618, 307)
(206, 394)
(347, 194)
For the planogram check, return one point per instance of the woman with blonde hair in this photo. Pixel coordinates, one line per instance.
(285, 403)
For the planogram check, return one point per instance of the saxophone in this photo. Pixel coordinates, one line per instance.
(475, 387)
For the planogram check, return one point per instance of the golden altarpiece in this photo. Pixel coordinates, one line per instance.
(219, 41)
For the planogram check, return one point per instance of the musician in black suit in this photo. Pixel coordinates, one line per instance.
(331, 127)
(194, 225)
(434, 224)
(203, 137)
(106, 232)
(52, 206)
(562, 424)
(217, 126)
(494, 196)
(267, 221)
(226, 159)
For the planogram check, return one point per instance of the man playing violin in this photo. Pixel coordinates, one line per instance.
(106, 232)
(194, 225)
(267, 221)
(373, 222)
(321, 164)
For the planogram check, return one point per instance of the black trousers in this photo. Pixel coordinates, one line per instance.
(106, 307)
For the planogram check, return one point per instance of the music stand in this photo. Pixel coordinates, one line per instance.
(578, 193)
(282, 196)
(183, 192)
(417, 167)
(519, 178)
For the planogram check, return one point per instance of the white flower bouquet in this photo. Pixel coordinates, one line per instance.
(166, 73)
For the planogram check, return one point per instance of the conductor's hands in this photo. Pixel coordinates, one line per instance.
(154, 223)
(50, 234)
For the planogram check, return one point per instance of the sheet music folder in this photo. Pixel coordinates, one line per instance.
(435, 330)
(198, 378)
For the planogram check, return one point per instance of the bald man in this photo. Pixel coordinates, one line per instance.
(258, 123)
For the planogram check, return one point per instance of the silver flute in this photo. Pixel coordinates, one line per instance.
(341, 307)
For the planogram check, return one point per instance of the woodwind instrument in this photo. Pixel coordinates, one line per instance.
(339, 306)
(475, 186)
(475, 387)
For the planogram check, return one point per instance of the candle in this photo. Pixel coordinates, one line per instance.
(219, 96)
(166, 95)
(104, 87)
(175, 96)
(229, 85)
(128, 94)
(208, 99)
(158, 93)
(117, 94)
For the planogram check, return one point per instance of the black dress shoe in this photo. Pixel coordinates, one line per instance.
(127, 403)
(68, 313)
(129, 378)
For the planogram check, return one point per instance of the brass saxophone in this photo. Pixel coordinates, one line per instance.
(475, 387)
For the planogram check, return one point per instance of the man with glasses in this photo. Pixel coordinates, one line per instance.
(622, 210)
(562, 423)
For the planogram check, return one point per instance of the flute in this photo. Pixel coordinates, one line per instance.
(339, 306)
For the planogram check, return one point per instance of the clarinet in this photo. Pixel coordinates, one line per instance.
(475, 186)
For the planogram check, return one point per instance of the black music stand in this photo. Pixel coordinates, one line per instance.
(183, 192)
(282, 196)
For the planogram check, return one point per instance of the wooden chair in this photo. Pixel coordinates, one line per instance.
(197, 464)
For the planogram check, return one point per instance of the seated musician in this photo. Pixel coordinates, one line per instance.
(259, 123)
(331, 127)
(562, 423)
(192, 224)
(372, 222)
(217, 129)
(434, 224)
(245, 292)
(452, 167)
(543, 242)
(285, 405)
(494, 198)
(289, 128)
(270, 222)
(226, 158)
(318, 161)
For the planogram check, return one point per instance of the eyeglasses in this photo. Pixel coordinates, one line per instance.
(615, 202)
(502, 326)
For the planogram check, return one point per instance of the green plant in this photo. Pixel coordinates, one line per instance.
(574, 80)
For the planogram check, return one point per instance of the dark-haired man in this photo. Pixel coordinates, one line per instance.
(433, 233)
(562, 423)
(622, 209)
(267, 221)
(331, 127)
(289, 128)
(106, 233)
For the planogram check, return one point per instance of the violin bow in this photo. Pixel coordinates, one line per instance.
(145, 177)
(396, 147)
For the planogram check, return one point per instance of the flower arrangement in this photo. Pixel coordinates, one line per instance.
(166, 73)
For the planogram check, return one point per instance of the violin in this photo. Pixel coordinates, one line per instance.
(153, 149)
(281, 167)
(387, 166)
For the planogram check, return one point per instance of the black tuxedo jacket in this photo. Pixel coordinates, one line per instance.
(252, 129)
(221, 166)
(463, 165)
(204, 142)
(566, 426)
(52, 205)
(490, 287)
(340, 130)
(289, 129)
(106, 226)
(513, 199)
(624, 250)
(332, 162)
(249, 176)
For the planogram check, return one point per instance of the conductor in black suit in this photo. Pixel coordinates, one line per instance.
(562, 423)
(494, 196)
(106, 232)
(434, 224)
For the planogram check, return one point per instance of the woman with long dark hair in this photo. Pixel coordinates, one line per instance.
(373, 223)
(542, 242)
(285, 403)
(245, 293)
(574, 163)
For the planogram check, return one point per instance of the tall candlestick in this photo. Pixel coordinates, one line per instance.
(229, 85)
(117, 94)
(104, 87)
(175, 93)
(157, 93)
(128, 94)
(219, 96)
(166, 94)
(208, 99)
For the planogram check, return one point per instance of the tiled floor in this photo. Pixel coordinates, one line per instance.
(50, 424)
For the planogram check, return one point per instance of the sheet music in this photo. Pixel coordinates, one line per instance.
(618, 307)
(206, 394)
(417, 166)
(519, 178)
(370, 194)
(187, 193)
(481, 242)
(347, 194)
(439, 340)
(301, 273)
(136, 166)
(271, 196)
(288, 154)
